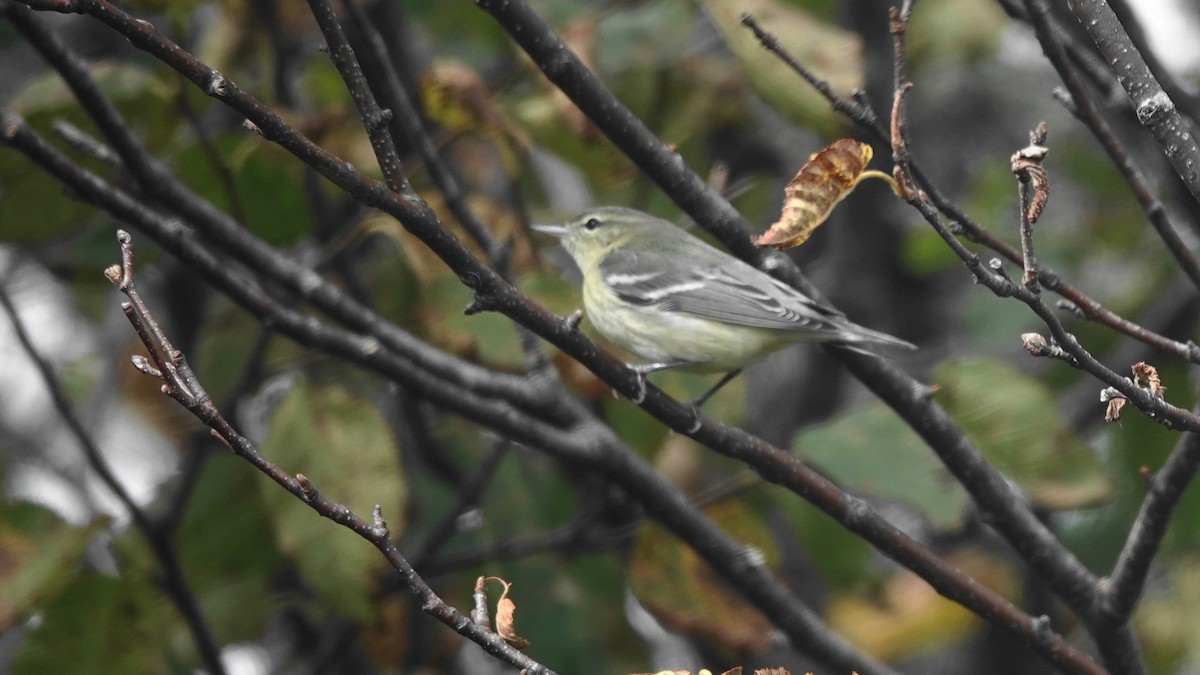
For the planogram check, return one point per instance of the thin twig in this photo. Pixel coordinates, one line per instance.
(406, 124)
(1033, 190)
(174, 582)
(180, 383)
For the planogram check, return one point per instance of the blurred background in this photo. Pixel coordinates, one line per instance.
(599, 589)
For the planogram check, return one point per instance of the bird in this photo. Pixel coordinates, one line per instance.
(675, 301)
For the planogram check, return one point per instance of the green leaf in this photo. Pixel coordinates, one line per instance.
(268, 185)
(873, 452)
(844, 559)
(642, 36)
(833, 53)
(228, 550)
(1019, 427)
(345, 446)
(99, 625)
(1166, 619)
(36, 208)
(955, 30)
(38, 557)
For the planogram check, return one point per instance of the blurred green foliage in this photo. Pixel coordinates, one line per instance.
(693, 73)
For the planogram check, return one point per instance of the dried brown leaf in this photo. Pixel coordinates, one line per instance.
(505, 619)
(505, 623)
(1113, 412)
(1029, 164)
(826, 179)
(1147, 373)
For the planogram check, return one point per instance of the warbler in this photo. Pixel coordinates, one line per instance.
(677, 302)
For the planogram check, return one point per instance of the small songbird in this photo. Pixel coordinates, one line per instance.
(677, 302)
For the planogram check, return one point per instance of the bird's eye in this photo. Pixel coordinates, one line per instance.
(591, 224)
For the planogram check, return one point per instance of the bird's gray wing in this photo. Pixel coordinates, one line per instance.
(724, 290)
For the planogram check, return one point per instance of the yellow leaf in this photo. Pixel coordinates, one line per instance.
(911, 618)
(826, 179)
(832, 52)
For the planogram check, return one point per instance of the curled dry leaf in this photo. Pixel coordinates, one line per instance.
(1113, 412)
(1115, 400)
(505, 621)
(1144, 372)
(1028, 163)
(826, 179)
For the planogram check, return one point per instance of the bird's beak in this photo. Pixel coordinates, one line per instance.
(552, 230)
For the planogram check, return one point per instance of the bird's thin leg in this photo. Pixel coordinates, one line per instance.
(715, 388)
(695, 405)
(644, 369)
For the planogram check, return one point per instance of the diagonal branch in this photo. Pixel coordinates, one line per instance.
(175, 584)
(155, 180)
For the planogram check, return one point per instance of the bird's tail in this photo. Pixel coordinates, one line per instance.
(853, 335)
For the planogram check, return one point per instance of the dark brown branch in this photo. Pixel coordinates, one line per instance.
(375, 119)
(155, 180)
(406, 124)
